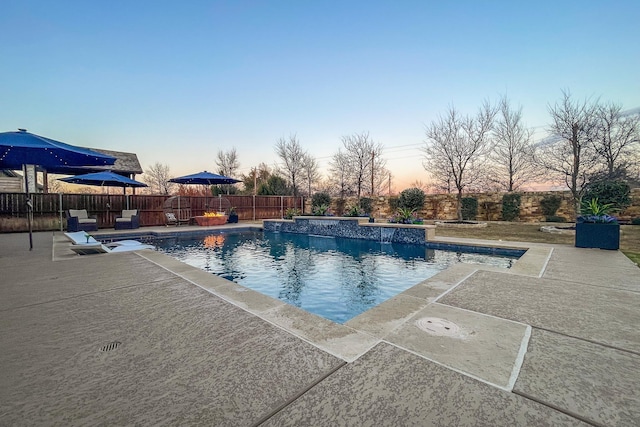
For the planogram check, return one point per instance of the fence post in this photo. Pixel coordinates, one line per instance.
(60, 209)
(254, 207)
(281, 207)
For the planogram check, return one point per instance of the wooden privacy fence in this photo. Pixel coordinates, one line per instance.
(48, 209)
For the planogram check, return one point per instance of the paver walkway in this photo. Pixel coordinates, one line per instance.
(138, 339)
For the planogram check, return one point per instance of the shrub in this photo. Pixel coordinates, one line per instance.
(615, 193)
(550, 205)
(635, 221)
(510, 206)
(469, 208)
(320, 210)
(319, 199)
(366, 204)
(554, 218)
(406, 216)
(411, 198)
(291, 212)
(353, 211)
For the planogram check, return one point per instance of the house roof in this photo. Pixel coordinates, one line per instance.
(126, 164)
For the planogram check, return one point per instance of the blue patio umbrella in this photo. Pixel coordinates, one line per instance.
(106, 178)
(23, 148)
(204, 178)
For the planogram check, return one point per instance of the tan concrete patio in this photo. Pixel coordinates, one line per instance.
(141, 339)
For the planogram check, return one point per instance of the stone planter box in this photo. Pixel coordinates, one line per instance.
(601, 236)
(211, 220)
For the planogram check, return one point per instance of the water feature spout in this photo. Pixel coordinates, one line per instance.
(386, 234)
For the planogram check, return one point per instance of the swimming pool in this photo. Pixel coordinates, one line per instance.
(334, 278)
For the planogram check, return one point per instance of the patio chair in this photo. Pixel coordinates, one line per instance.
(79, 220)
(128, 220)
(173, 220)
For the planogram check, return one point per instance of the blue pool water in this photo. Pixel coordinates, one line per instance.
(332, 277)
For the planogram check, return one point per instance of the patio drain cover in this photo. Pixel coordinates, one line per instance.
(110, 346)
(438, 327)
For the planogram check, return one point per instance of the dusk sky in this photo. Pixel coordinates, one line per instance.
(174, 82)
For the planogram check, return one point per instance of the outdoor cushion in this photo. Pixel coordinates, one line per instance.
(128, 220)
(127, 215)
(80, 213)
(83, 217)
(78, 219)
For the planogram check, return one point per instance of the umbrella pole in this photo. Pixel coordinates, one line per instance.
(30, 220)
(26, 172)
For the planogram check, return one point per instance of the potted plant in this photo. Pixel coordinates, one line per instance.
(233, 215)
(406, 216)
(595, 228)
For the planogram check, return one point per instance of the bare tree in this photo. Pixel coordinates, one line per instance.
(327, 186)
(228, 164)
(364, 156)
(456, 147)
(512, 155)
(420, 185)
(157, 177)
(377, 171)
(569, 154)
(310, 172)
(292, 160)
(340, 171)
(618, 135)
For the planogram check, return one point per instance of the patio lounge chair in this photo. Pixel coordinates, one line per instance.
(78, 219)
(99, 248)
(85, 244)
(128, 220)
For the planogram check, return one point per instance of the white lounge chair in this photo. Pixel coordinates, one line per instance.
(99, 248)
(85, 244)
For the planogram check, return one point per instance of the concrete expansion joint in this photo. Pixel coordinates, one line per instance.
(444, 365)
(626, 350)
(299, 394)
(455, 285)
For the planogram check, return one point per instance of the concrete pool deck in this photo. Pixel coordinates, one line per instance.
(141, 339)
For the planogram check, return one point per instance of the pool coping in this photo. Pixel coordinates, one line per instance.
(357, 336)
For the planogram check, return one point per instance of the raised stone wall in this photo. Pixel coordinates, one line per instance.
(352, 228)
(443, 206)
